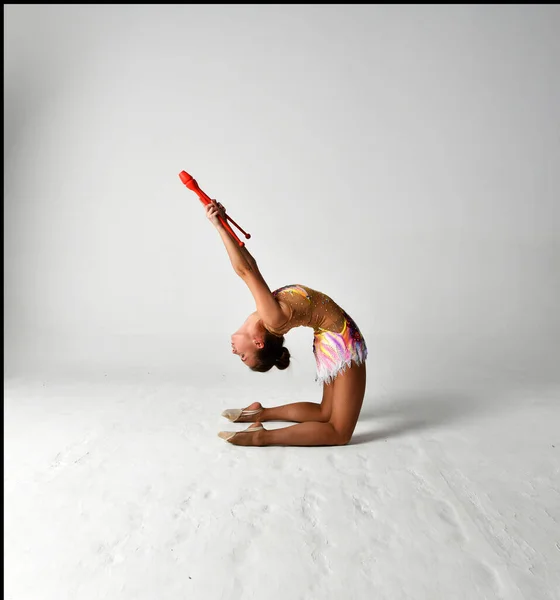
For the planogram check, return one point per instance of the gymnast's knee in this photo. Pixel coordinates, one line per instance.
(341, 437)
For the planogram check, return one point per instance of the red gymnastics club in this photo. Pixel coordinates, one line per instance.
(205, 199)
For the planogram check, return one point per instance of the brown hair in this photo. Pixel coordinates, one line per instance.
(273, 354)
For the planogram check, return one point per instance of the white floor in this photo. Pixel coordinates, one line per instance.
(123, 491)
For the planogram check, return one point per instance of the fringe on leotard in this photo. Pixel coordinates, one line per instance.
(335, 352)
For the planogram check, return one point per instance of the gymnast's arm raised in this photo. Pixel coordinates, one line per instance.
(246, 267)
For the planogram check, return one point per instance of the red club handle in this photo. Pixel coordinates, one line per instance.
(191, 183)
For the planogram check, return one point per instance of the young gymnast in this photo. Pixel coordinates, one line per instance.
(339, 348)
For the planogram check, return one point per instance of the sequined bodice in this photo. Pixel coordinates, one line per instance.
(309, 308)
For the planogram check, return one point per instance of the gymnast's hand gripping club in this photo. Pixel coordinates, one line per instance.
(205, 199)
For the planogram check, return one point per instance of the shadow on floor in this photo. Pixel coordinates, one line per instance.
(421, 411)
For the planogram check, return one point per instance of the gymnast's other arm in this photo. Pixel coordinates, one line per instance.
(244, 264)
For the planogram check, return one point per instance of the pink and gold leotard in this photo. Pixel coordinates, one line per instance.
(337, 341)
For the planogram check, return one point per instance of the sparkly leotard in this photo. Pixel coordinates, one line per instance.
(337, 341)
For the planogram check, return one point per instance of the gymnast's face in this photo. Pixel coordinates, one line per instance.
(248, 339)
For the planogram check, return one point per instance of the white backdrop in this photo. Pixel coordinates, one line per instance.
(403, 159)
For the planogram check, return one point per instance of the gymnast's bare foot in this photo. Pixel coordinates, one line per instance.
(245, 415)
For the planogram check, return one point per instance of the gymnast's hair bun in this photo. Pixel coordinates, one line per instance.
(283, 361)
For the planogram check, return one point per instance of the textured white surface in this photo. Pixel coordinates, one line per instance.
(116, 490)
